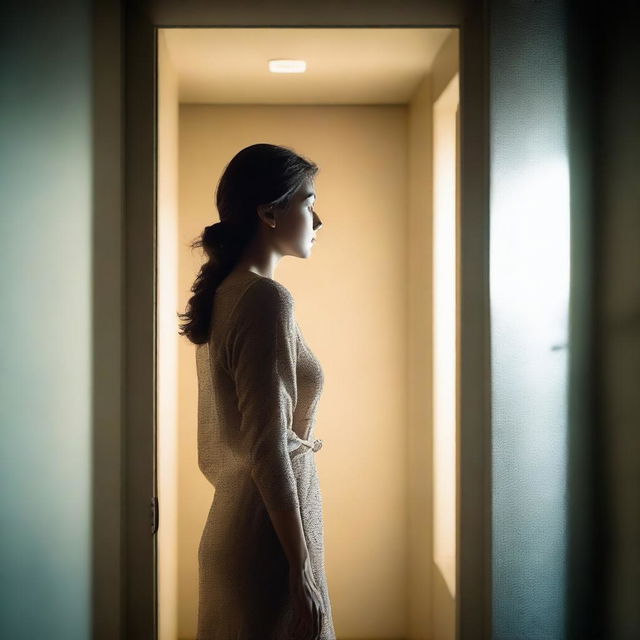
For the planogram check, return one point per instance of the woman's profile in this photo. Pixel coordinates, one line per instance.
(261, 553)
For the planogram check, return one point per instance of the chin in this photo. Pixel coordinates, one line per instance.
(305, 250)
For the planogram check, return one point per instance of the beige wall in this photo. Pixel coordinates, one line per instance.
(351, 302)
(167, 378)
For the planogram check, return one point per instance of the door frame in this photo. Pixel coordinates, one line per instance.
(473, 501)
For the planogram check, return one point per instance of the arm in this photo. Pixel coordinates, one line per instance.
(288, 526)
(262, 360)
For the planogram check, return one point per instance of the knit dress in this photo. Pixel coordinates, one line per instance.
(258, 391)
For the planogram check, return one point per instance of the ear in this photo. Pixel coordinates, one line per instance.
(266, 213)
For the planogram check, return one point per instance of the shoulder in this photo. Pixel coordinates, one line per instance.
(265, 296)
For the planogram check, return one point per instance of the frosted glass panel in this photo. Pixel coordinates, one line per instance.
(529, 280)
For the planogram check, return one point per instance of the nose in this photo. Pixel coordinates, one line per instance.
(317, 223)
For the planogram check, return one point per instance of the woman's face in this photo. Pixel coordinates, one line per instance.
(296, 226)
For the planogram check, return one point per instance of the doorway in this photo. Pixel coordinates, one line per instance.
(145, 399)
(376, 110)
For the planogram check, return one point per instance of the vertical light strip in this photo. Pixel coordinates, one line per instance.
(529, 281)
(444, 330)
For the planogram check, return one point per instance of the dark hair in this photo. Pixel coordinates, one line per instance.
(259, 174)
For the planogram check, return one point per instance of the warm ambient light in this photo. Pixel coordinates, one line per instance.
(287, 66)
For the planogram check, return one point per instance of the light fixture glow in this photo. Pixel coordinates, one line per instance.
(287, 66)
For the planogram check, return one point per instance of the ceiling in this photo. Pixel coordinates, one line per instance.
(344, 66)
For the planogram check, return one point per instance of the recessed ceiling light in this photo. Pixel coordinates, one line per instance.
(287, 66)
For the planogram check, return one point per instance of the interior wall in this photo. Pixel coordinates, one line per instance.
(351, 304)
(48, 344)
(530, 250)
(167, 353)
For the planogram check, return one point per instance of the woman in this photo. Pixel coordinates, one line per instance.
(261, 554)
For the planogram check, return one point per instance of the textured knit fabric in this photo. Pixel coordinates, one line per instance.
(258, 390)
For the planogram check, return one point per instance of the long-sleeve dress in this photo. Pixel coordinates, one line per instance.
(258, 391)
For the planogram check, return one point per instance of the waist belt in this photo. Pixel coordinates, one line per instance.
(297, 445)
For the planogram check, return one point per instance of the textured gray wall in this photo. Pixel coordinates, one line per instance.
(530, 251)
(566, 478)
(46, 339)
(61, 344)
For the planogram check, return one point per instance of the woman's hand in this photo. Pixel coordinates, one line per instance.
(308, 610)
